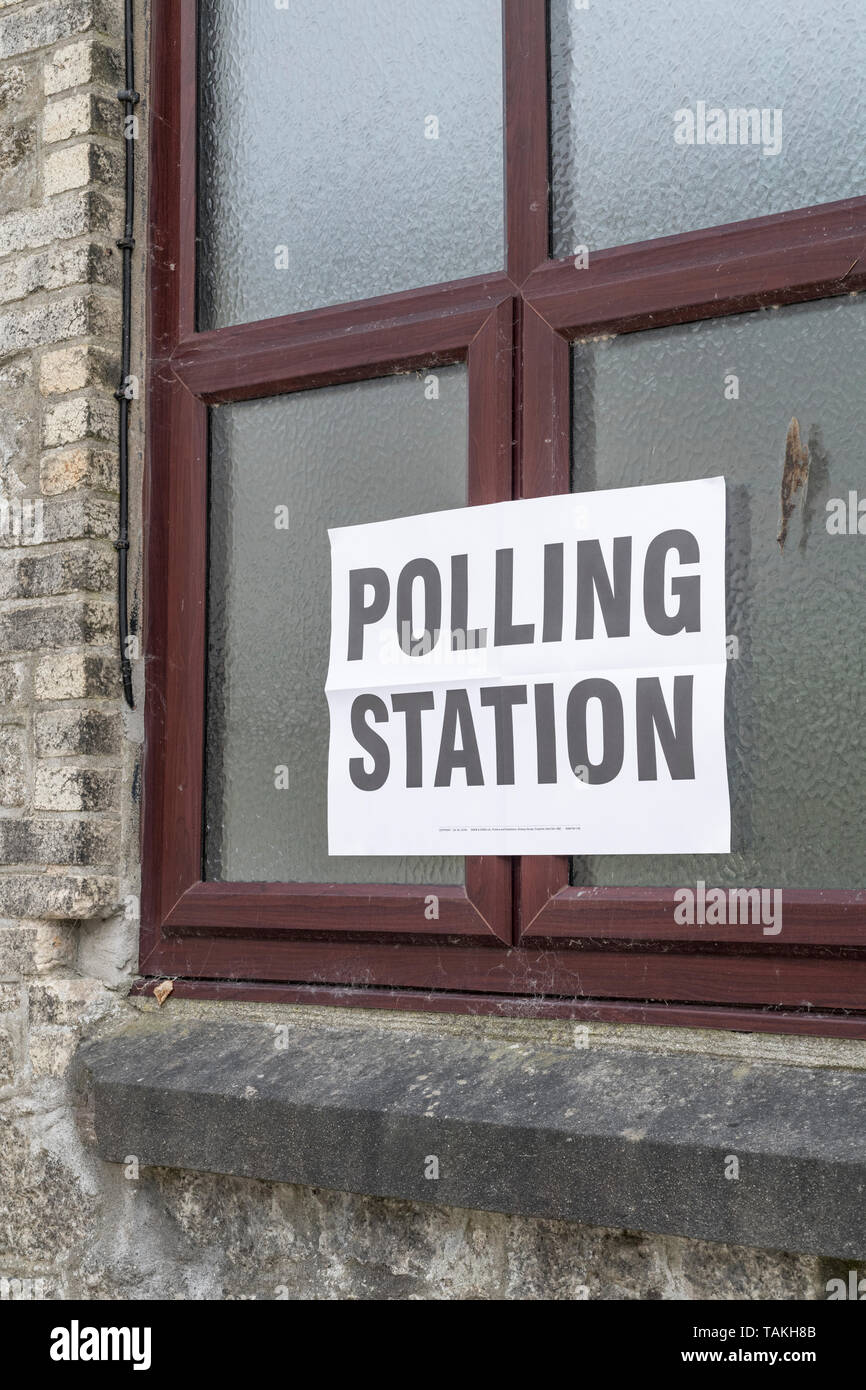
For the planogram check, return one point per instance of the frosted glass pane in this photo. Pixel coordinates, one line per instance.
(335, 457)
(653, 407)
(621, 69)
(346, 150)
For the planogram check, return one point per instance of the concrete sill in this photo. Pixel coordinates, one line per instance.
(611, 1138)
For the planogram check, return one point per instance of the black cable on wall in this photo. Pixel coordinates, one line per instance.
(124, 393)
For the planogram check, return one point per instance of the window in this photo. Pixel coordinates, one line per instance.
(406, 261)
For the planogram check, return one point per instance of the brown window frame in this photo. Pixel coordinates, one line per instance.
(517, 938)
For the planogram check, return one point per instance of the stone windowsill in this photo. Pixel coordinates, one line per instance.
(608, 1137)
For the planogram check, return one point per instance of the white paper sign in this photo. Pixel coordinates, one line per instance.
(533, 677)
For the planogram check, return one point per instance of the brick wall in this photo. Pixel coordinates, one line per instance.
(67, 751)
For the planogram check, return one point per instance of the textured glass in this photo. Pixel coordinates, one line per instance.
(335, 457)
(345, 150)
(622, 68)
(660, 407)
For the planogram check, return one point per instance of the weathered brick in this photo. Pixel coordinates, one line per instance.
(39, 575)
(63, 1000)
(75, 517)
(34, 522)
(51, 1049)
(20, 95)
(61, 897)
(14, 84)
(73, 316)
(28, 948)
(74, 166)
(63, 732)
(59, 267)
(15, 373)
(19, 163)
(74, 788)
(67, 469)
(7, 1057)
(13, 682)
(70, 624)
(66, 168)
(84, 113)
(108, 948)
(82, 417)
(79, 843)
(60, 831)
(10, 998)
(45, 323)
(76, 368)
(88, 60)
(76, 676)
(18, 416)
(79, 213)
(37, 26)
(13, 766)
(18, 443)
